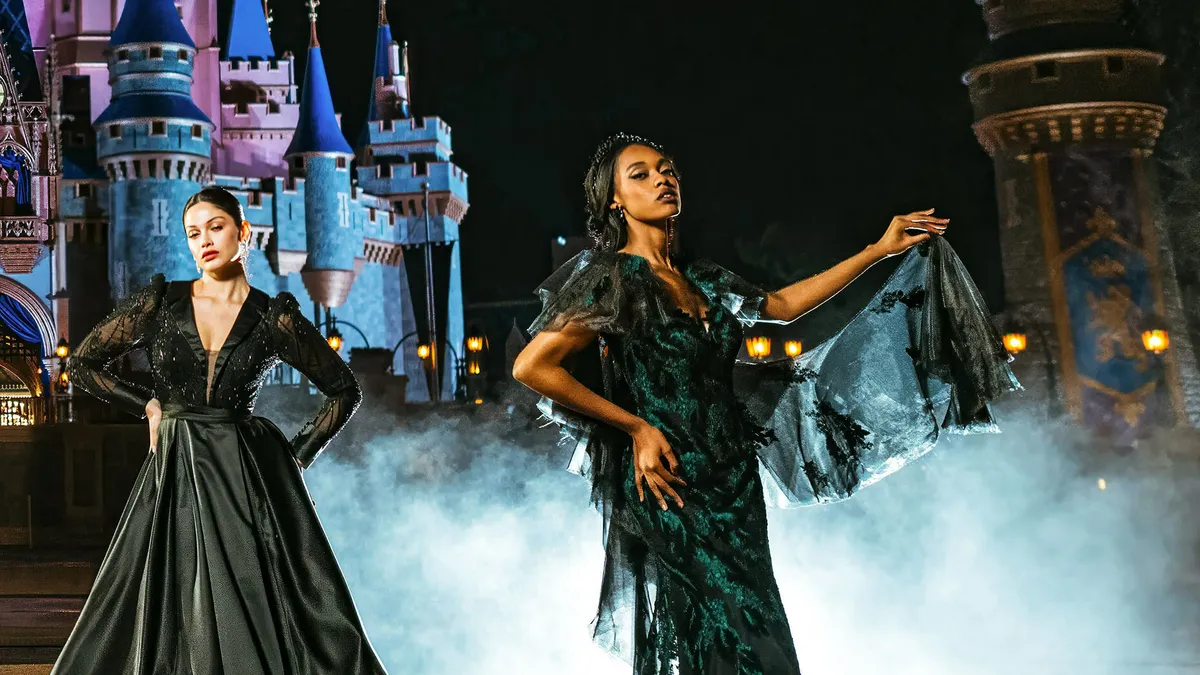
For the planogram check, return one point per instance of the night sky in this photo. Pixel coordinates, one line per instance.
(820, 124)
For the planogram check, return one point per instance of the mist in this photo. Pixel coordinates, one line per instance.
(469, 549)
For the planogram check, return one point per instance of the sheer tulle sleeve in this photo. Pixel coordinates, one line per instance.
(923, 356)
(589, 290)
(300, 345)
(739, 297)
(127, 328)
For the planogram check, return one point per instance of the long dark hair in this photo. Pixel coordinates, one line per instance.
(223, 199)
(606, 226)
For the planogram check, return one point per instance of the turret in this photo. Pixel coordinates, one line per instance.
(320, 155)
(153, 143)
(1070, 106)
(389, 91)
(260, 107)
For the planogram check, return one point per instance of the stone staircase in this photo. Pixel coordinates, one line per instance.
(41, 594)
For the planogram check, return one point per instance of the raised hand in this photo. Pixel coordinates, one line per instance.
(650, 449)
(904, 232)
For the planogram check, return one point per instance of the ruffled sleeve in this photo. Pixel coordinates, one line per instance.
(922, 357)
(739, 297)
(589, 290)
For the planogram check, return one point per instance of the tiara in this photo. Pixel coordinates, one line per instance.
(620, 139)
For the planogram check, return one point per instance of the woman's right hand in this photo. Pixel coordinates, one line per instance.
(153, 416)
(650, 449)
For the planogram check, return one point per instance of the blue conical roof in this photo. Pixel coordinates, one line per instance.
(248, 34)
(150, 21)
(383, 68)
(317, 130)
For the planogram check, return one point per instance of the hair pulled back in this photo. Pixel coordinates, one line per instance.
(606, 226)
(223, 199)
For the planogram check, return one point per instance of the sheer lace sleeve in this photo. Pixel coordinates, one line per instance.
(127, 328)
(923, 356)
(300, 345)
(740, 298)
(586, 290)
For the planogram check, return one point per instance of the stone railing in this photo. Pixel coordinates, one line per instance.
(22, 243)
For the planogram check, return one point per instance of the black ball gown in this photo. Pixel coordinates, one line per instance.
(691, 590)
(219, 565)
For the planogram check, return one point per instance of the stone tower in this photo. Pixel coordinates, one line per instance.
(407, 161)
(1070, 106)
(321, 156)
(153, 142)
(259, 103)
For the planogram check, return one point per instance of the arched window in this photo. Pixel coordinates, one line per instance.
(16, 198)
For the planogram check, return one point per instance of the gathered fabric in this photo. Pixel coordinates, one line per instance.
(692, 590)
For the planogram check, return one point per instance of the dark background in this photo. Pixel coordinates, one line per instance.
(800, 129)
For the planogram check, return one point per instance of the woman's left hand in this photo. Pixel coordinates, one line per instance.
(902, 233)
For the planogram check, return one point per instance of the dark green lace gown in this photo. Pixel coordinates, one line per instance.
(692, 590)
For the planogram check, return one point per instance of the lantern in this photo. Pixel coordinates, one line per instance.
(758, 347)
(475, 343)
(334, 338)
(1156, 340)
(423, 351)
(793, 348)
(63, 348)
(1014, 342)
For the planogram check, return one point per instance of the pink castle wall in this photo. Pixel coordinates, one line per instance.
(247, 143)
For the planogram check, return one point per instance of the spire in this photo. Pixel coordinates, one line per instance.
(150, 21)
(312, 20)
(249, 35)
(389, 91)
(318, 129)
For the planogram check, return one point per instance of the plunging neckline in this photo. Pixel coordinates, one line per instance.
(705, 322)
(196, 323)
(212, 357)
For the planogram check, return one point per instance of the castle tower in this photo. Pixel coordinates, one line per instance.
(259, 105)
(390, 93)
(321, 156)
(153, 143)
(408, 162)
(1070, 107)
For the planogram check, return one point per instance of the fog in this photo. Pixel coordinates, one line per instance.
(470, 549)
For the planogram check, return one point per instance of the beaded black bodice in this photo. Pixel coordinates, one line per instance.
(159, 318)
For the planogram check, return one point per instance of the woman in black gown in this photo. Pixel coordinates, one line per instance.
(219, 565)
(684, 444)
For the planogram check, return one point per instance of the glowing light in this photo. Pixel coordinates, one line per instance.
(63, 378)
(478, 401)
(473, 369)
(758, 347)
(423, 351)
(475, 344)
(335, 341)
(562, 241)
(793, 347)
(1156, 341)
(63, 348)
(1102, 484)
(1014, 342)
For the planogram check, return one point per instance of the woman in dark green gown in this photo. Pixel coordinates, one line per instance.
(685, 444)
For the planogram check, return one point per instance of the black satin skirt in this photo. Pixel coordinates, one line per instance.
(219, 565)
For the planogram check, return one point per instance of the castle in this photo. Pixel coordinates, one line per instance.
(113, 113)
